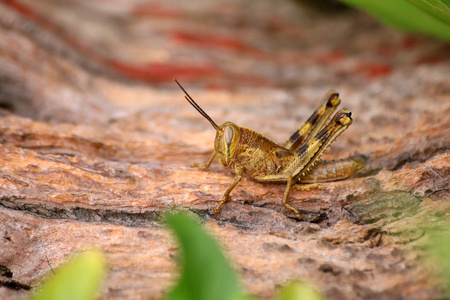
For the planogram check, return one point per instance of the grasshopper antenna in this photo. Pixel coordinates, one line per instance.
(197, 107)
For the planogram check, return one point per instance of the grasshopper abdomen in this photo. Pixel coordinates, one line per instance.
(332, 170)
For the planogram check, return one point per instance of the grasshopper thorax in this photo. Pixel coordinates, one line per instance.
(227, 139)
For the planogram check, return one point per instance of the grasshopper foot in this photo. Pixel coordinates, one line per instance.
(294, 210)
(290, 183)
(207, 164)
(309, 186)
(299, 215)
(199, 165)
(217, 209)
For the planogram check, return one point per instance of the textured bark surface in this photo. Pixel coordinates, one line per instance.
(96, 142)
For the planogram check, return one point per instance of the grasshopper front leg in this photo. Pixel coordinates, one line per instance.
(208, 163)
(239, 171)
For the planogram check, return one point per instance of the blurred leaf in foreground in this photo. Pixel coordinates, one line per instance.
(438, 249)
(299, 291)
(420, 16)
(79, 279)
(205, 273)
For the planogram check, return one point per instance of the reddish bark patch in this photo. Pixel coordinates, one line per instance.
(215, 41)
(158, 72)
(156, 10)
(330, 57)
(373, 70)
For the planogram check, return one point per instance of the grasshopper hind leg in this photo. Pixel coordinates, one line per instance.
(315, 122)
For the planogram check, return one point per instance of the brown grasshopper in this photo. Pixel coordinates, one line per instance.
(298, 161)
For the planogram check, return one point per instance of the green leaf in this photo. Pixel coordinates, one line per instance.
(434, 8)
(205, 273)
(79, 279)
(299, 291)
(419, 16)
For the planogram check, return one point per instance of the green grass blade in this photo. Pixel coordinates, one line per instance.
(205, 273)
(79, 279)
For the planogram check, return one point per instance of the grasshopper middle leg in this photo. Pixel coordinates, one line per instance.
(237, 178)
(290, 182)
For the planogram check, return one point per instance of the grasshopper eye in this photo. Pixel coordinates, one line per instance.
(228, 135)
(227, 140)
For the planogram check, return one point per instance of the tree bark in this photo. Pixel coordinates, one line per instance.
(97, 143)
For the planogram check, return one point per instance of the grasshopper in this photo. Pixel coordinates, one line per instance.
(297, 161)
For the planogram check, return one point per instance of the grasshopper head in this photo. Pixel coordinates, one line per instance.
(227, 138)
